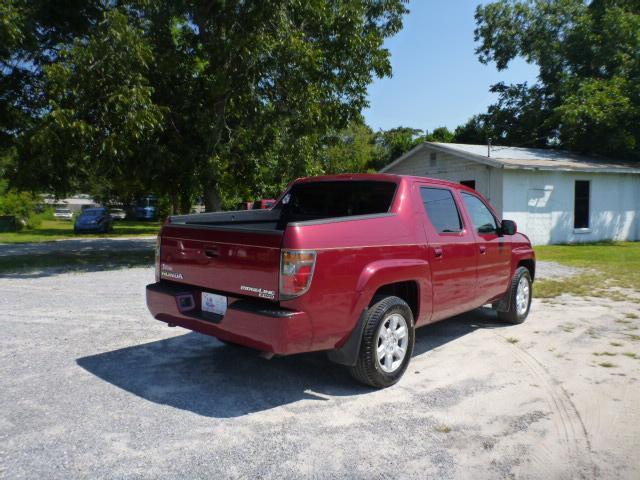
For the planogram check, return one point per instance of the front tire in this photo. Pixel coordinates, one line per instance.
(520, 295)
(387, 343)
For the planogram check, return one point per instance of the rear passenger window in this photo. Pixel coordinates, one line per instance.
(441, 209)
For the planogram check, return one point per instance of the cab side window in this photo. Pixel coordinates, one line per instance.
(483, 219)
(441, 209)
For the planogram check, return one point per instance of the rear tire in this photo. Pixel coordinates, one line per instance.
(387, 343)
(520, 294)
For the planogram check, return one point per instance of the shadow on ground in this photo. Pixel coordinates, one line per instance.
(56, 263)
(198, 373)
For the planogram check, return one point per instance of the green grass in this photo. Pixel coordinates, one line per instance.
(75, 262)
(615, 264)
(51, 230)
(512, 339)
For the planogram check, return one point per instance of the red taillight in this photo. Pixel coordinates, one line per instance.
(296, 272)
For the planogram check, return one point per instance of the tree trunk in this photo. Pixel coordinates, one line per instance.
(175, 204)
(185, 203)
(212, 200)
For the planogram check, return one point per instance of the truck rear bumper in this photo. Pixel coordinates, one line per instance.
(254, 324)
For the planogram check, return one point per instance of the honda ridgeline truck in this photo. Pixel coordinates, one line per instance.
(347, 264)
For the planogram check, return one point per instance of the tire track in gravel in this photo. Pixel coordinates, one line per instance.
(571, 429)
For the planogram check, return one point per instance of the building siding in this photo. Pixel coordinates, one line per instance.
(542, 204)
(455, 169)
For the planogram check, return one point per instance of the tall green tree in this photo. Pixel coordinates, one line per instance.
(587, 97)
(440, 134)
(32, 34)
(395, 142)
(101, 124)
(226, 97)
(352, 150)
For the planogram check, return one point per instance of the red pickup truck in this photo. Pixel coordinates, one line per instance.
(348, 264)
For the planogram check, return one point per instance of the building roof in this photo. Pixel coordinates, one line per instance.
(527, 158)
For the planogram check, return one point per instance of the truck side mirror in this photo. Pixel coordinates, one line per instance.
(508, 227)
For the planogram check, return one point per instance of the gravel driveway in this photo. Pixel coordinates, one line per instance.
(92, 387)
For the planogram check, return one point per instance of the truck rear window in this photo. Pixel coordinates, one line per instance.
(317, 200)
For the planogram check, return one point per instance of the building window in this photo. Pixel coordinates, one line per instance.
(441, 209)
(581, 204)
(432, 159)
(469, 183)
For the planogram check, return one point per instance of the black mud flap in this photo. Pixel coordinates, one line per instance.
(348, 353)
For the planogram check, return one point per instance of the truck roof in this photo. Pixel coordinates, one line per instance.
(389, 177)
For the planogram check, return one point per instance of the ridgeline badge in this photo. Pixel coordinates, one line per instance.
(262, 293)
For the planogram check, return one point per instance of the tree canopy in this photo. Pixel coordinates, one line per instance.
(587, 97)
(228, 98)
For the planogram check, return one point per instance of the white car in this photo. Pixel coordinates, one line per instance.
(117, 214)
(63, 214)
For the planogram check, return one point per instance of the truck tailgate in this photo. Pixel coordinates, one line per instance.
(228, 260)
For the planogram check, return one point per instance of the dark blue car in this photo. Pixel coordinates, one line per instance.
(94, 220)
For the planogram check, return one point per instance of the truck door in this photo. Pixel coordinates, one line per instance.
(494, 259)
(452, 253)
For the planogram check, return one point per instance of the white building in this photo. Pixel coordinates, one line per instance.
(554, 196)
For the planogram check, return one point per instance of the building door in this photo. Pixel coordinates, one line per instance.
(539, 222)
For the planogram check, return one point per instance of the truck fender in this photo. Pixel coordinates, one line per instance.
(383, 272)
(375, 275)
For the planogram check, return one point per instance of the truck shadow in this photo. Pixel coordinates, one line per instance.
(197, 373)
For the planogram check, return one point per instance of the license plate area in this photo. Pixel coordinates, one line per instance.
(214, 303)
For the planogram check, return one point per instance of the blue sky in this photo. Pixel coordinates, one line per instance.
(437, 79)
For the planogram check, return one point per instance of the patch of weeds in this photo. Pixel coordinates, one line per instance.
(604, 354)
(536, 331)
(620, 320)
(616, 344)
(585, 285)
(634, 337)
(631, 315)
(568, 327)
(617, 262)
(633, 355)
(592, 332)
(512, 339)
(607, 365)
(442, 428)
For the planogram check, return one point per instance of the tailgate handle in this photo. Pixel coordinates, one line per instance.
(210, 252)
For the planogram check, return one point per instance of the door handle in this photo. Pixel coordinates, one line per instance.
(437, 252)
(211, 253)
(483, 249)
